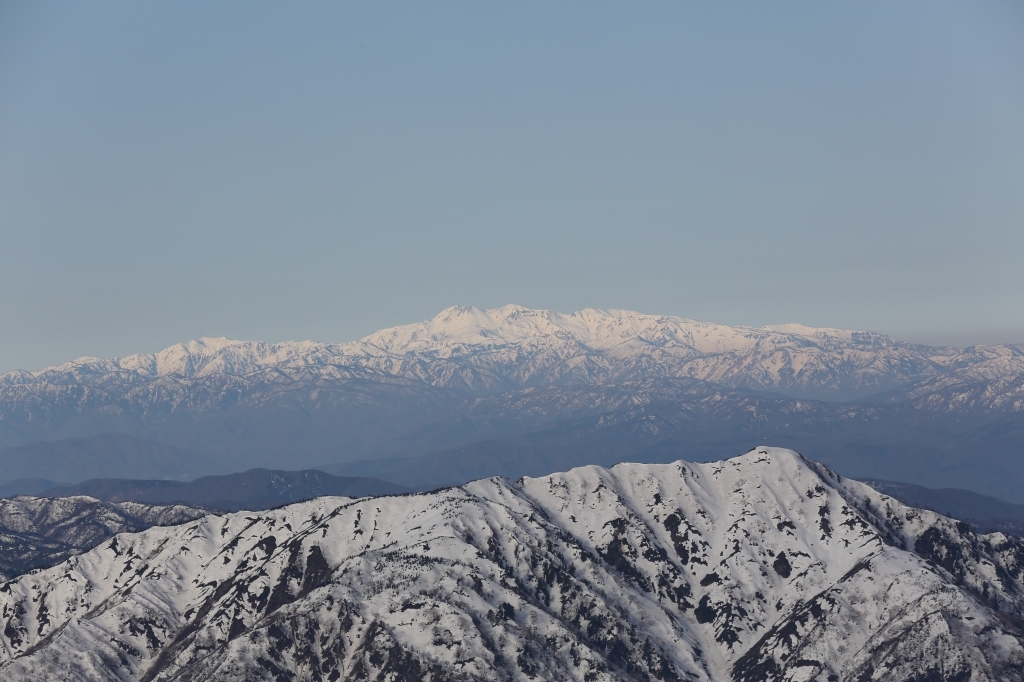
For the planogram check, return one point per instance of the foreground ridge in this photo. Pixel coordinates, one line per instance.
(761, 567)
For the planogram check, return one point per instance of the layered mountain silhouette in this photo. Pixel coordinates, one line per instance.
(594, 386)
(107, 455)
(253, 489)
(984, 513)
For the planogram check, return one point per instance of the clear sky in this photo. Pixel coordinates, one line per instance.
(280, 171)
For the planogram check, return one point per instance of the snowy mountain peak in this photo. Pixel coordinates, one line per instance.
(465, 328)
(817, 332)
(762, 567)
(514, 346)
(595, 328)
(193, 357)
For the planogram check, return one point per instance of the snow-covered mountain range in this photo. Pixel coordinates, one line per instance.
(475, 376)
(762, 567)
(513, 346)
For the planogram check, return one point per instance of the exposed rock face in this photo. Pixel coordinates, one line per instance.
(37, 532)
(762, 567)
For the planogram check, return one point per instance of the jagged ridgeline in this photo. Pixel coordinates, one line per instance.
(761, 567)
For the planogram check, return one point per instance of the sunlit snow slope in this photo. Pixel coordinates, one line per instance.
(515, 346)
(762, 567)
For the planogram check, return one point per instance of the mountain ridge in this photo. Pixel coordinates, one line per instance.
(762, 567)
(617, 334)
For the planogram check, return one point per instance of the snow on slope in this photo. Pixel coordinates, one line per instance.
(762, 567)
(515, 346)
(994, 385)
(597, 329)
(42, 531)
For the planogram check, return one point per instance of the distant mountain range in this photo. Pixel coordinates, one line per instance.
(985, 514)
(108, 455)
(516, 391)
(761, 567)
(254, 489)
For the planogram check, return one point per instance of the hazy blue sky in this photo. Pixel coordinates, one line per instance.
(283, 171)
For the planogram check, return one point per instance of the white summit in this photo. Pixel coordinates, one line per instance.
(513, 346)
